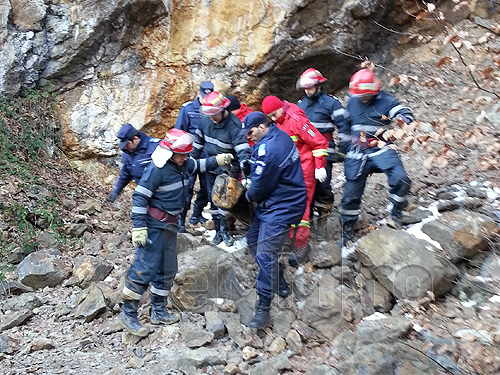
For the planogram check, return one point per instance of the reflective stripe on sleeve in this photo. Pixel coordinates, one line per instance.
(139, 210)
(395, 110)
(319, 152)
(142, 190)
(243, 146)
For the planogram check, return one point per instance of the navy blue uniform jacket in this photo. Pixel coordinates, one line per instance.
(166, 189)
(277, 180)
(223, 137)
(135, 162)
(189, 117)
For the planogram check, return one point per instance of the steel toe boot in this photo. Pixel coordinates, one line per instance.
(218, 235)
(159, 313)
(262, 316)
(228, 240)
(283, 288)
(129, 321)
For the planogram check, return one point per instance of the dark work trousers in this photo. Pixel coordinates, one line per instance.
(323, 195)
(201, 195)
(265, 241)
(155, 263)
(359, 167)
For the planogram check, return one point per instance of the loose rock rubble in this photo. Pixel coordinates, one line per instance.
(424, 298)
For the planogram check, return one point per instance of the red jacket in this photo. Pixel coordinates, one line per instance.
(241, 113)
(311, 143)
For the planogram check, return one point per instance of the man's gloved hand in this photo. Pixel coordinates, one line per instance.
(405, 119)
(338, 157)
(320, 174)
(224, 160)
(246, 182)
(112, 197)
(245, 167)
(139, 236)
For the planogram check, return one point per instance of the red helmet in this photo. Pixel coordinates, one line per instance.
(364, 82)
(178, 141)
(214, 103)
(310, 78)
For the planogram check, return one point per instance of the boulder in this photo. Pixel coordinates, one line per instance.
(206, 273)
(462, 233)
(406, 266)
(43, 268)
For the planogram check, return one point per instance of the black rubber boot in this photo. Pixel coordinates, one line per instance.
(218, 235)
(321, 225)
(262, 316)
(197, 217)
(283, 289)
(182, 222)
(159, 313)
(347, 233)
(228, 240)
(129, 321)
(299, 255)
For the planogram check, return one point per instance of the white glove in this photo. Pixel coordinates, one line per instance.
(320, 174)
(224, 160)
(139, 236)
(160, 156)
(246, 182)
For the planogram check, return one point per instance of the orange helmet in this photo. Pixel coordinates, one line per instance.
(363, 82)
(310, 78)
(214, 103)
(178, 141)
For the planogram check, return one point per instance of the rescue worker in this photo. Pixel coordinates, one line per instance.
(189, 120)
(278, 188)
(239, 109)
(137, 148)
(219, 131)
(325, 112)
(369, 112)
(157, 201)
(312, 149)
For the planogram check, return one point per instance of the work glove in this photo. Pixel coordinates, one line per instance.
(139, 236)
(320, 174)
(246, 182)
(338, 157)
(405, 119)
(224, 160)
(245, 167)
(112, 197)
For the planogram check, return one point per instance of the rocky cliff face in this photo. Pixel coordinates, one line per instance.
(111, 62)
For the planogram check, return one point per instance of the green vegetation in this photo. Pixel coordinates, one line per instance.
(29, 139)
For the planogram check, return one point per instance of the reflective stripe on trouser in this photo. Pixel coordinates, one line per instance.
(399, 186)
(155, 263)
(265, 242)
(323, 195)
(303, 229)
